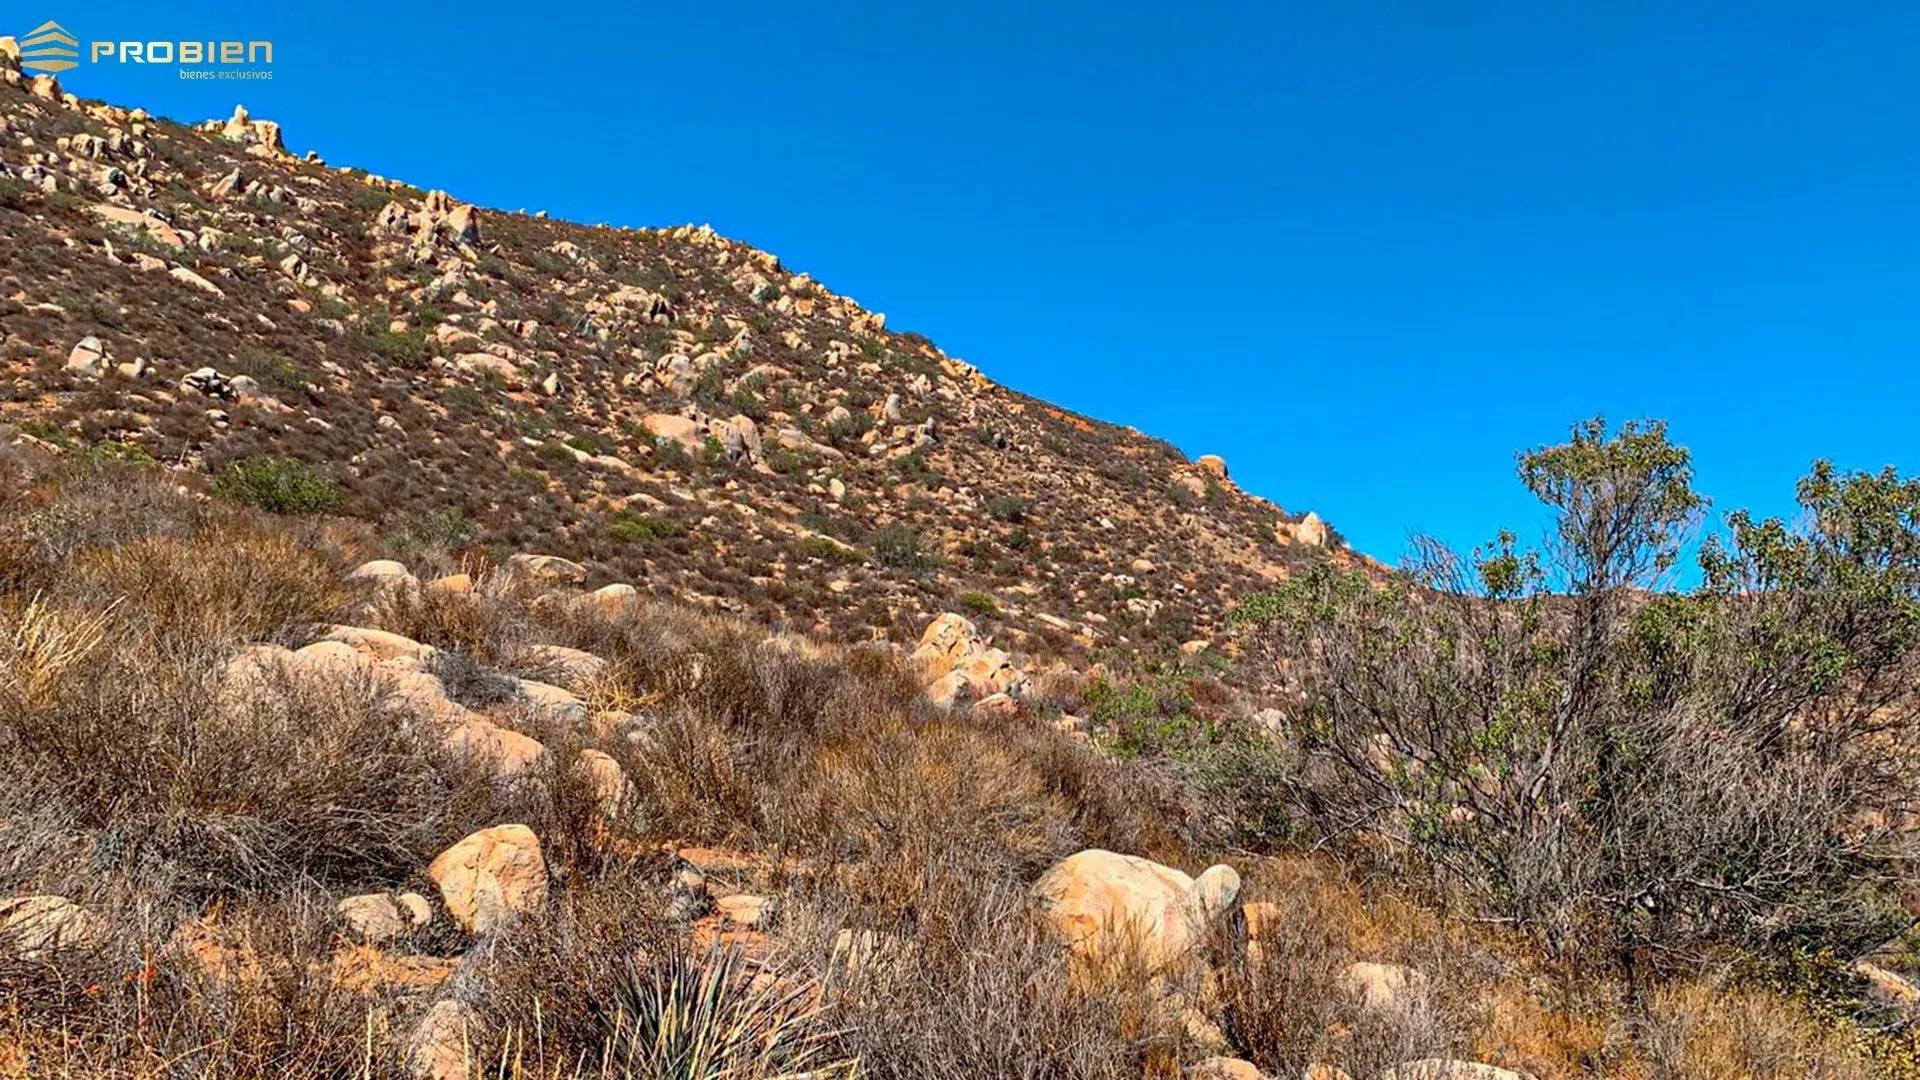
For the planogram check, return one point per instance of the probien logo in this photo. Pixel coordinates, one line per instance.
(49, 48)
(184, 52)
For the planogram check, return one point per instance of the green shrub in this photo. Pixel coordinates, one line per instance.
(555, 453)
(978, 604)
(402, 348)
(848, 430)
(1008, 508)
(278, 485)
(671, 456)
(826, 550)
(593, 443)
(898, 547)
(275, 370)
(628, 527)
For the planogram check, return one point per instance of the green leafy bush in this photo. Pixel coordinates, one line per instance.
(275, 370)
(402, 348)
(827, 550)
(978, 604)
(278, 485)
(628, 527)
(1634, 771)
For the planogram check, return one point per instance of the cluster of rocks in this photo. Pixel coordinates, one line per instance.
(1122, 914)
(737, 436)
(437, 220)
(260, 137)
(957, 663)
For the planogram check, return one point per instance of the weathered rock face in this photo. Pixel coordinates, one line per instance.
(1446, 1069)
(443, 1046)
(1102, 903)
(378, 917)
(613, 599)
(1213, 465)
(955, 661)
(386, 576)
(258, 136)
(605, 779)
(1384, 987)
(572, 669)
(677, 429)
(88, 357)
(947, 640)
(547, 569)
(1310, 531)
(37, 927)
(491, 878)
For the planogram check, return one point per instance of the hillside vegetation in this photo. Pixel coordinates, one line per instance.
(445, 644)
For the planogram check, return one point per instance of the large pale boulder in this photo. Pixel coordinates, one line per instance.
(573, 669)
(385, 576)
(554, 702)
(36, 927)
(547, 569)
(492, 877)
(1447, 1069)
(991, 672)
(159, 230)
(1311, 531)
(88, 357)
(507, 753)
(677, 429)
(1102, 903)
(1223, 1068)
(1384, 987)
(379, 644)
(605, 779)
(610, 600)
(947, 640)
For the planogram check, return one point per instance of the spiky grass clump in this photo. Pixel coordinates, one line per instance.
(709, 1018)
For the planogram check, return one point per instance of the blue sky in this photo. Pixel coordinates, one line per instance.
(1365, 250)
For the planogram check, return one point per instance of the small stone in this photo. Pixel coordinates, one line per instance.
(746, 909)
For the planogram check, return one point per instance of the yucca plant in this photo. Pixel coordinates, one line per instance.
(708, 1018)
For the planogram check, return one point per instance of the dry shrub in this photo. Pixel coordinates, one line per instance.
(1694, 1031)
(135, 1006)
(208, 790)
(970, 986)
(54, 511)
(547, 984)
(1286, 1001)
(840, 759)
(479, 624)
(227, 584)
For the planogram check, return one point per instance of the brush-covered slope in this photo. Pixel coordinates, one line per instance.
(668, 406)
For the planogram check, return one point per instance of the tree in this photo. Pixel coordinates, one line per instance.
(1613, 764)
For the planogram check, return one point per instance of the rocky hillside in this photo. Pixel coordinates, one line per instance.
(666, 406)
